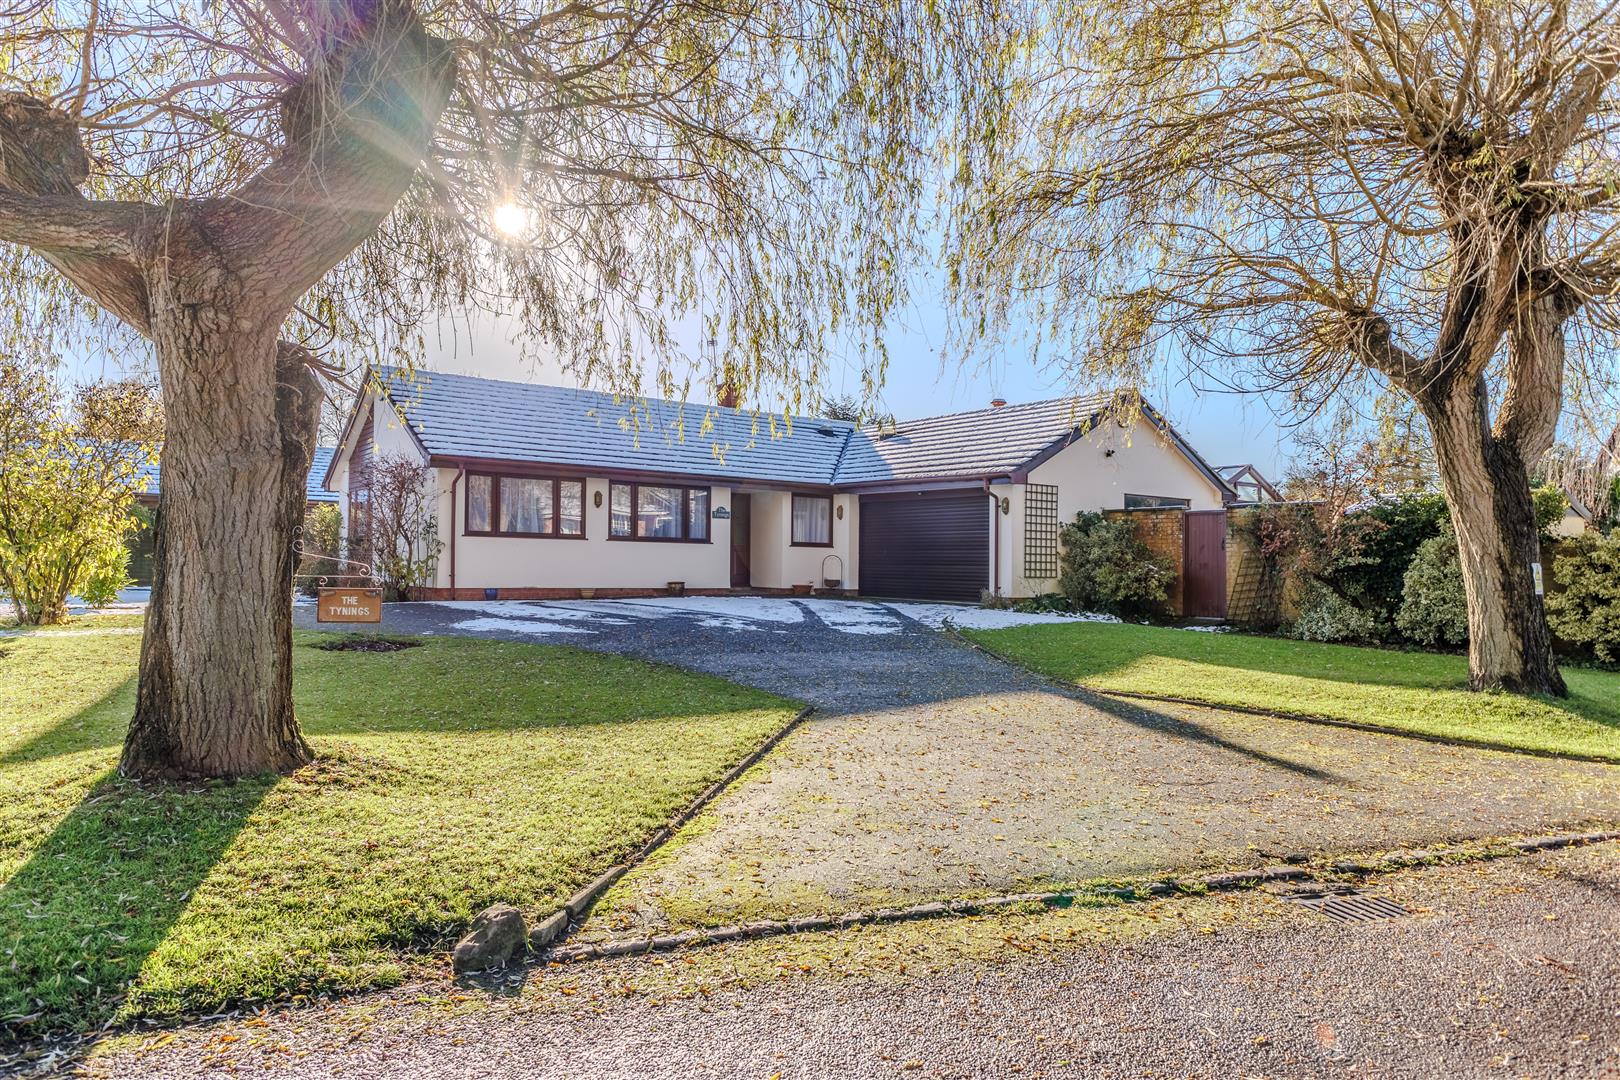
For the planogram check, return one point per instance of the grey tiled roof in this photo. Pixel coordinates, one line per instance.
(461, 416)
(314, 484)
(986, 442)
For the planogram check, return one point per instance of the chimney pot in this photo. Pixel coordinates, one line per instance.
(998, 402)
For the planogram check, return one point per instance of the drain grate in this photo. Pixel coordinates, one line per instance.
(1351, 906)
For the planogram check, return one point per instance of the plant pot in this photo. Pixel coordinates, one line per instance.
(831, 583)
(492, 594)
(587, 594)
(802, 590)
(676, 588)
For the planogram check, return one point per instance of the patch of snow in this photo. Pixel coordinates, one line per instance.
(852, 617)
(739, 614)
(935, 616)
(1209, 629)
(738, 626)
(521, 626)
(743, 614)
(759, 608)
(531, 609)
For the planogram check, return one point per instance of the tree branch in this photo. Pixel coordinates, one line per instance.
(1528, 418)
(95, 245)
(357, 130)
(67, 225)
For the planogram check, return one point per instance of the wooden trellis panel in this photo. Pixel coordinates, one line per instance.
(1040, 531)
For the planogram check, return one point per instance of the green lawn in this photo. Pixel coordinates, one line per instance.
(450, 776)
(1411, 691)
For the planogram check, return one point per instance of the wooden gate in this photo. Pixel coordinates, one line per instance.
(1203, 565)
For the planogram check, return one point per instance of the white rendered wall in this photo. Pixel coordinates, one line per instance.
(1144, 462)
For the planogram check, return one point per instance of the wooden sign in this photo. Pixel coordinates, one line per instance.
(349, 606)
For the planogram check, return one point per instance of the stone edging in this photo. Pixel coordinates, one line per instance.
(1225, 882)
(1282, 714)
(556, 926)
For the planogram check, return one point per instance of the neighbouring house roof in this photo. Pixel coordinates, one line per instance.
(1247, 473)
(469, 419)
(314, 484)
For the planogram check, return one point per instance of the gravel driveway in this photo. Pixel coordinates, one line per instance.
(931, 771)
(835, 654)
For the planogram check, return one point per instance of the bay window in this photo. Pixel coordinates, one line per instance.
(525, 506)
(658, 512)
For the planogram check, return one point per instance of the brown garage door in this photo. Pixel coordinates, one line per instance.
(931, 545)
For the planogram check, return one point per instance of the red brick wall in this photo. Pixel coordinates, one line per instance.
(1164, 531)
(598, 594)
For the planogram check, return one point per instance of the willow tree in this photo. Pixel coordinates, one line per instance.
(1410, 193)
(246, 184)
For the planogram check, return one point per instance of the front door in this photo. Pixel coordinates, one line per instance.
(742, 519)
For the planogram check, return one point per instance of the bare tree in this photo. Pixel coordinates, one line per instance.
(402, 536)
(1340, 464)
(247, 185)
(1420, 194)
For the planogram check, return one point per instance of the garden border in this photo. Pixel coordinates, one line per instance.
(1340, 870)
(560, 923)
(1280, 714)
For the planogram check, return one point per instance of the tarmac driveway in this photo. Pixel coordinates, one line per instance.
(931, 771)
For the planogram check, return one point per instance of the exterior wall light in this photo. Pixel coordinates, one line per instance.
(596, 499)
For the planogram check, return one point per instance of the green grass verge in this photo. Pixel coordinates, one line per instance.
(1425, 693)
(451, 776)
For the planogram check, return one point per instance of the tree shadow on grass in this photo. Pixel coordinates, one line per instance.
(1088, 650)
(1179, 728)
(80, 917)
(1091, 651)
(445, 687)
(97, 726)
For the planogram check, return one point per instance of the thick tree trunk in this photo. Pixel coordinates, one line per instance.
(211, 281)
(1488, 487)
(215, 695)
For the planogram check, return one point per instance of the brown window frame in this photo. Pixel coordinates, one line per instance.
(828, 499)
(635, 487)
(1165, 502)
(495, 507)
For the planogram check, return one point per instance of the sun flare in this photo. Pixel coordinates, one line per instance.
(511, 220)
